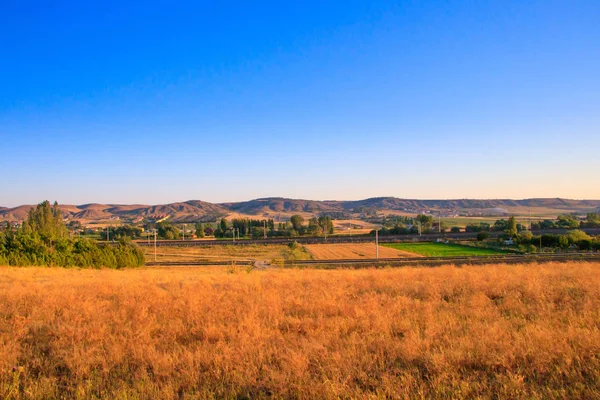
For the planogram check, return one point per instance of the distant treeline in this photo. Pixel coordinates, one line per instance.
(399, 225)
(43, 239)
(322, 225)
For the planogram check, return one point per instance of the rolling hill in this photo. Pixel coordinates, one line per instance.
(196, 210)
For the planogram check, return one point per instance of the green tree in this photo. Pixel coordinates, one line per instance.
(426, 221)
(575, 236)
(167, 231)
(511, 227)
(314, 227)
(567, 221)
(525, 237)
(43, 240)
(223, 225)
(199, 229)
(46, 221)
(481, 236)
(326, 224)
(297, 221)
(592, 220)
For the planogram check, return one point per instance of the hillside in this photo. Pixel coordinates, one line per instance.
(188, 211)
(283, 205)
(196, 210)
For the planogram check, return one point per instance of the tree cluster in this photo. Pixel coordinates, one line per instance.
(124, 231)
(43, 240)
(575, 239)
(568, 221)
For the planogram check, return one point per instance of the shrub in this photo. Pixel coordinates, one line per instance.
(43, 241)
(481, 236)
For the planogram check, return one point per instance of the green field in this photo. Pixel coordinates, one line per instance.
(442, 249)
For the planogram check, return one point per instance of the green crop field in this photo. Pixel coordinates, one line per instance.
(442, 249)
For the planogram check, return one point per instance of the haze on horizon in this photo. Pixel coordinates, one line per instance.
(153, 104)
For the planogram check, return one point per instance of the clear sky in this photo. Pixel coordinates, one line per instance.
(155, 102)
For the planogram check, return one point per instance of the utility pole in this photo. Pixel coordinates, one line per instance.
(107, 234)
(155, 245)
(440, 223)
(377, 243)
(183, 232)
(265, 224)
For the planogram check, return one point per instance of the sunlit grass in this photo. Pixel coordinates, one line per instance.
(490, 332)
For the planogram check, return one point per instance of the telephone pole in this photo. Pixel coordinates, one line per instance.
(155, 245)
(377, 243)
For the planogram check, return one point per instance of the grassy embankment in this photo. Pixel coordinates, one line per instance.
(500, 331)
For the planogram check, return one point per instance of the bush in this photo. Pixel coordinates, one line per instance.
(43, 241)
(481, 236)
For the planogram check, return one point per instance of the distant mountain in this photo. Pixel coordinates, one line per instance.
(196, 210)
(192, 210)
(393, 203)
(282, 205)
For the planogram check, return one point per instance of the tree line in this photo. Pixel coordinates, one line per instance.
(43, 240)
(400, 225)
(255, 228)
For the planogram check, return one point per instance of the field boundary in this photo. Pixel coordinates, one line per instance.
(462, 260)
(411, 238)
(413, 261)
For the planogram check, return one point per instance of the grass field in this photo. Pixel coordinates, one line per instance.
(441, 249)
(495, 332)
(352, 251)
(217, 253)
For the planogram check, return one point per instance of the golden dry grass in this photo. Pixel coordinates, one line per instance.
(349, 251)
(492, 332)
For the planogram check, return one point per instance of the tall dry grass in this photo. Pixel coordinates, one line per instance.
(495, 331)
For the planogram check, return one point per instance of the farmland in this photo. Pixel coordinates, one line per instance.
(217, 253)
(441, 249)
(500, 331)
(353, 251)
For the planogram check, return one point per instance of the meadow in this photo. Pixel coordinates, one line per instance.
(442, 249)
(492, 332)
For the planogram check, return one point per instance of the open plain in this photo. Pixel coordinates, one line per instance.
(492, 332)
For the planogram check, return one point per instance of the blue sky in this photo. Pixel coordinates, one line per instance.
(154, 102)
